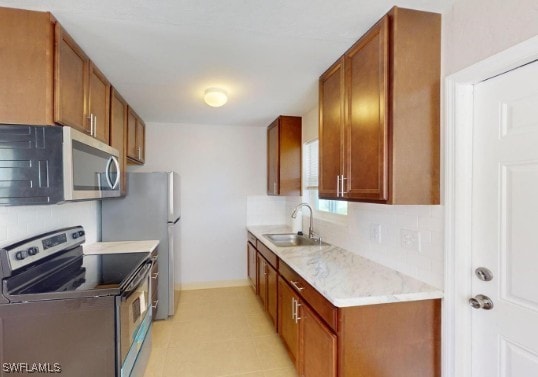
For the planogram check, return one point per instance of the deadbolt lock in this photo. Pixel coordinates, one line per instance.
(484, 274)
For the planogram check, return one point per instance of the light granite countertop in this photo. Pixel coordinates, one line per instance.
(146, 246)
(345, 278)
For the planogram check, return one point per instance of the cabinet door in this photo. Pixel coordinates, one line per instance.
(262, 280)
(273, 162)
(252, 266)
(272, 289)
(99, 103)
(136, 138)
(140, 140)
(26, 75)
(318, 346)
(366, 133)
(131, 135)
(118, 133)
(71, 67)
(288, 329)
(331, 115)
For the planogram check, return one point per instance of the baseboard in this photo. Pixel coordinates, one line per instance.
(212, 284)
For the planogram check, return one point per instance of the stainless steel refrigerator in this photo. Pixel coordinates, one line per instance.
(149, 211)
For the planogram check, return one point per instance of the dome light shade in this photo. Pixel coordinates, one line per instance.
(215, 97)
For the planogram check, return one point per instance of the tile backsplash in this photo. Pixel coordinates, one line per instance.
(20, 222)
(266, 210)
(406, 238)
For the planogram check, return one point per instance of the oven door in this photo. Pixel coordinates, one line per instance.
(134, 317)
(91, 168)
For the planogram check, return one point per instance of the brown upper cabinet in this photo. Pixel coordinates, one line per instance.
(47, 79)
(379, 114)
(82, 92)
(284, 156)
(136, 138)
(118, 133)
(27, 73)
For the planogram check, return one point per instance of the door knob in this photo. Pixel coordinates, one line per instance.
(481, 302)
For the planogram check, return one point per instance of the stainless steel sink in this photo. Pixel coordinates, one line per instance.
(291, 239)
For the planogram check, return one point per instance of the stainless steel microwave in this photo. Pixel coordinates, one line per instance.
(52, 164)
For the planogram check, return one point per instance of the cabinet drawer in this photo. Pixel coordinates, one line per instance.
(251, 239)
(320, 304)
(268, 254)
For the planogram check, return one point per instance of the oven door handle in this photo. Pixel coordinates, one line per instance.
(140, 276)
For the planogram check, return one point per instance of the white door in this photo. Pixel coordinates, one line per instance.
(505, 224)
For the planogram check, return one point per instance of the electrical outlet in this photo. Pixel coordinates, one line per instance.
(375, 233)
(410, 239)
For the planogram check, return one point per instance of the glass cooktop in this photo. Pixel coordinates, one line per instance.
(80, 275)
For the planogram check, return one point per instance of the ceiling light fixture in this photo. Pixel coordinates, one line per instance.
(215, 97)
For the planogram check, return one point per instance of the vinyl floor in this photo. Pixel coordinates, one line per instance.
(220, 332)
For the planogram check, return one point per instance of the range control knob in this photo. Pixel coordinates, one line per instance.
(78, 234)
(20, 255)
(33, 251)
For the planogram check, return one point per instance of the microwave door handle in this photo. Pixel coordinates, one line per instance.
(111, 160)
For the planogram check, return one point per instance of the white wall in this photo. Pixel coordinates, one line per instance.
(352, 232)
(476, 29)
(220, 168)
(18, 223)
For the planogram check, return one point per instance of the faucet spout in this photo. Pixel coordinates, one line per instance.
(294, 215)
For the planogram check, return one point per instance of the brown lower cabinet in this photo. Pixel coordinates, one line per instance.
(267, 287)
(252, 265)
(288, 326)
(401, 339)
(310, 343)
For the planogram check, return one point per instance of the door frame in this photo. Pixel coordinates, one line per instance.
(458, 150)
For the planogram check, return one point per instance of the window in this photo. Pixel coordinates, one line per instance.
(311, 165)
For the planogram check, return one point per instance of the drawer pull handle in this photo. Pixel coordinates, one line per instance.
(155, 304)
(155, 275)
(297, 305)
(296, 285)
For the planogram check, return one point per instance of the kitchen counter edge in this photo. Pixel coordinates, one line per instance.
(292, 257)
(145, 246)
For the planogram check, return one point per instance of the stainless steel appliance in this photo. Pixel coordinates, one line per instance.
(149, 211)
(51, 164)
(63, 311)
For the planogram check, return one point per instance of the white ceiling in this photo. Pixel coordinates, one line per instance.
(268, 54)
